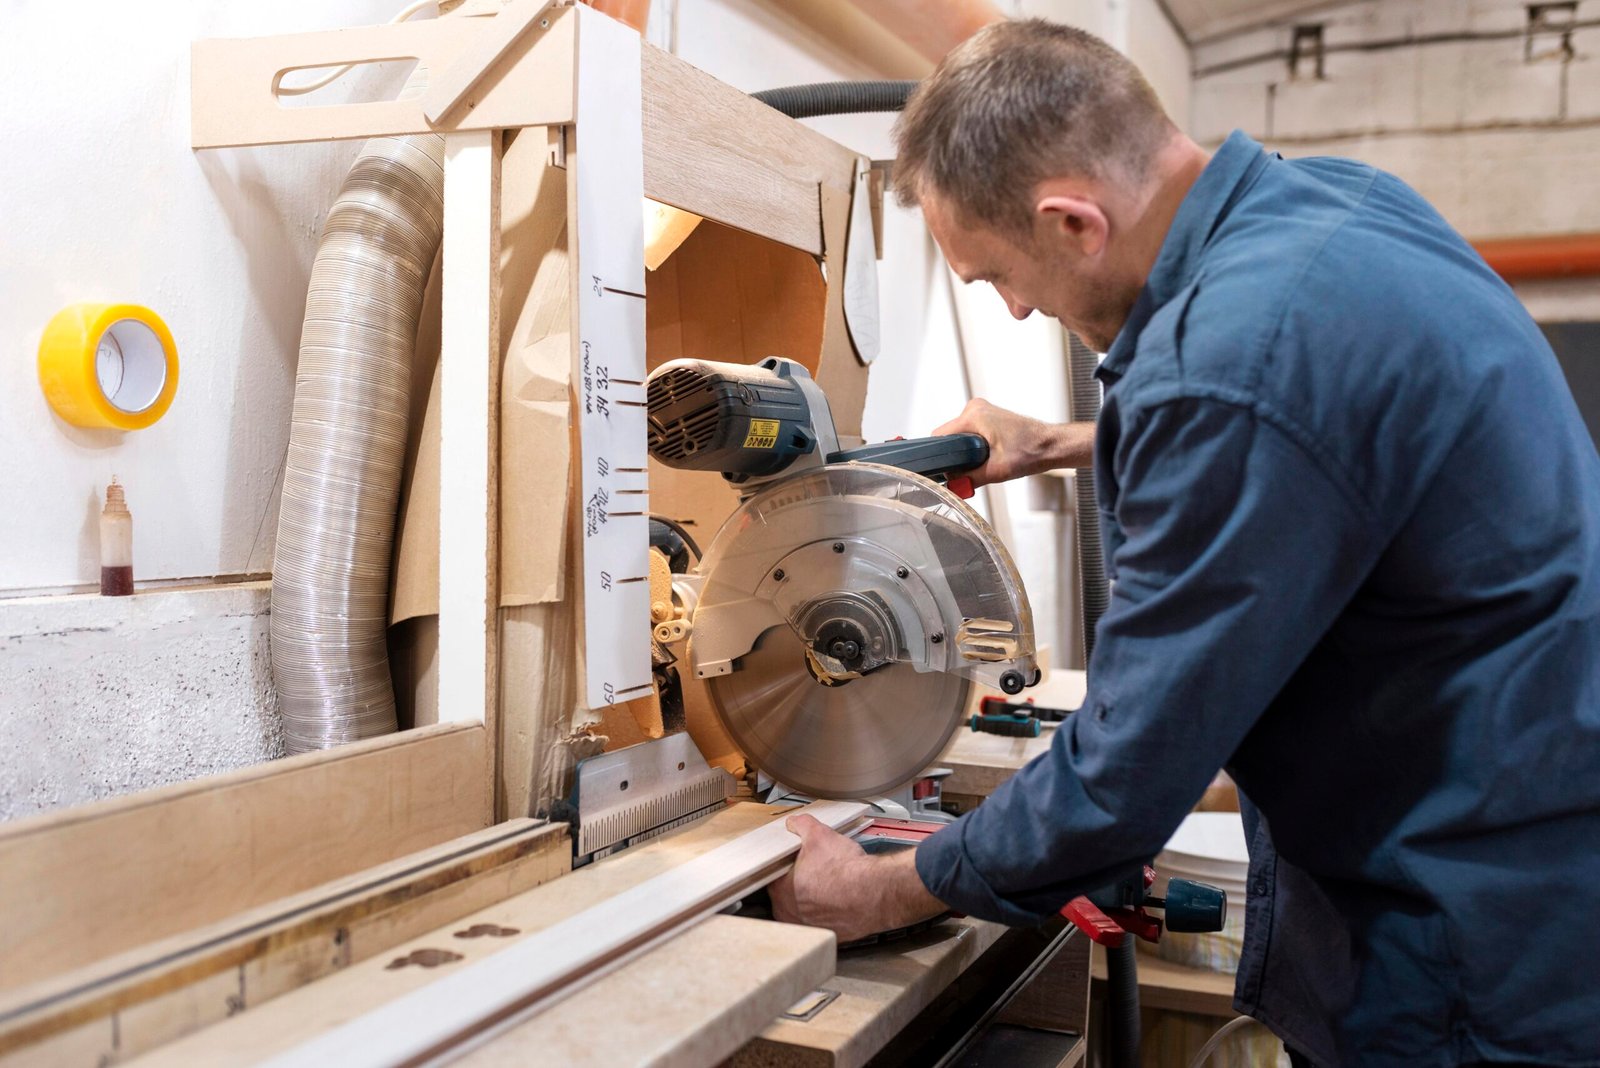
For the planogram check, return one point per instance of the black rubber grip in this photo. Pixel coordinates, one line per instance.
(948, 454)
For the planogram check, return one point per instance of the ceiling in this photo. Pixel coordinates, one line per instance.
(1202, 19)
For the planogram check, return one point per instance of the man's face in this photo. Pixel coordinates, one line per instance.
(1046, 271)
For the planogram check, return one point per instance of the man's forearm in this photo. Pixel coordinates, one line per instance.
(1072, 445)
(903, 899)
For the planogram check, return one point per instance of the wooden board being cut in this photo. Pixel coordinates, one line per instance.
(294, 1019)
(686, 1004)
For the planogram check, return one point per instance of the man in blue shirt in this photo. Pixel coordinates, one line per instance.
(1353, 520)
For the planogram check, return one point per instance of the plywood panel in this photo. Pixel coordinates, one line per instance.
(93, 881)
(712, 150)
(157, 993)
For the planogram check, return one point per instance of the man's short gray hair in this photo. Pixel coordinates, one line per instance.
(1020, 102)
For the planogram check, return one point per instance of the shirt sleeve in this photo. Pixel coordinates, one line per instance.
(1240, 550)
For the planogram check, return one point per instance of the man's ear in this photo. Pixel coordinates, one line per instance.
(1073, 219)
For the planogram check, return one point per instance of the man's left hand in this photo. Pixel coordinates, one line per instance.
(837, 884)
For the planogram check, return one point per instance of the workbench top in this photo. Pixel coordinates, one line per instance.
(979, 763)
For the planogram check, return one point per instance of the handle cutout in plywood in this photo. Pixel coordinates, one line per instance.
(365, 81)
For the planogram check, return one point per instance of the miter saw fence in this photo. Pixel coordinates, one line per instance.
(841, 614)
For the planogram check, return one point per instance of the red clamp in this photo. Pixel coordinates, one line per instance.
(1110, 927)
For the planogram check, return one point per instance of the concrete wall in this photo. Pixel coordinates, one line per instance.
(104, 696)
(1497, 126)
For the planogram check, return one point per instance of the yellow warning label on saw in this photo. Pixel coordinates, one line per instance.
(763, 434)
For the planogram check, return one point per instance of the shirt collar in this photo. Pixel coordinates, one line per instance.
(1235, 165)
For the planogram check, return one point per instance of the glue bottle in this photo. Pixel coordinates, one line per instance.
(116, 544)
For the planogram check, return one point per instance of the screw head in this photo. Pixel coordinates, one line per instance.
(902, 572)
(936, 639)
(778, 575)
(838, 546)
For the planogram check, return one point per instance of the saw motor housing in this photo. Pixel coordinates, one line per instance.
(841, 614)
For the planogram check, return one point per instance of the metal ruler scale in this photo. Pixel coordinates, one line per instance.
(609, 361)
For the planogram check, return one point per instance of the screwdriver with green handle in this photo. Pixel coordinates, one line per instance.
(1013, 719)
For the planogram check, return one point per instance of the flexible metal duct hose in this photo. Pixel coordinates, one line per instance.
(836, 98)
(347, 443)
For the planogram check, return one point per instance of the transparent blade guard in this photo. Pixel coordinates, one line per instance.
(914, 577)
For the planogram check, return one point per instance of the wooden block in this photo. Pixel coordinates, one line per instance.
(882, 989)
(90, 882)
(233, 83)
(179, 1012)
(689, 1003)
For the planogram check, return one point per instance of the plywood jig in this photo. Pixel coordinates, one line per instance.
(141, 875)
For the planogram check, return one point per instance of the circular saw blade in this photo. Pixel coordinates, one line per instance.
(859, 739)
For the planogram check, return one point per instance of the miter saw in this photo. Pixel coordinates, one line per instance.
(843, 611)
(838, 618)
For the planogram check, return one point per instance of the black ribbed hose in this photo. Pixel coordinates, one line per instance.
(1122, 968)
(1085, 400)
(836, 98)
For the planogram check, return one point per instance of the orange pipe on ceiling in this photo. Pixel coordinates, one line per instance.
(635, 13)
(932, 29)
(1534, 259)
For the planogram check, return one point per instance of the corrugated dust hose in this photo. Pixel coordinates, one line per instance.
(347, 445)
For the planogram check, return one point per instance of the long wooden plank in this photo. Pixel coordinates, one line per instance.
(264, 952)
(534, 974)
(689, 1003)
(85, 883)
(712, 150)
(469, 498)
(234, 102)
(348, 995)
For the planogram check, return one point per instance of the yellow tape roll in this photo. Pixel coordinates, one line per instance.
(108, 365)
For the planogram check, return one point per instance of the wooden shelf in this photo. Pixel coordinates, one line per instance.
(1173, 987)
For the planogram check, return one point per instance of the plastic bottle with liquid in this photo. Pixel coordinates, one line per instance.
(116, 544)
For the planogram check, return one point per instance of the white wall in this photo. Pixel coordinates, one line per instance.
(102, 199)
(1441, 92)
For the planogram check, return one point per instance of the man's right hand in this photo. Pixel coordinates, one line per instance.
(1018, 445)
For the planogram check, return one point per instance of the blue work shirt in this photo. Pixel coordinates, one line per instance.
(1353, 519)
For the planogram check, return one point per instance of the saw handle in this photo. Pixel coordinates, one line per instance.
(935, 457)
